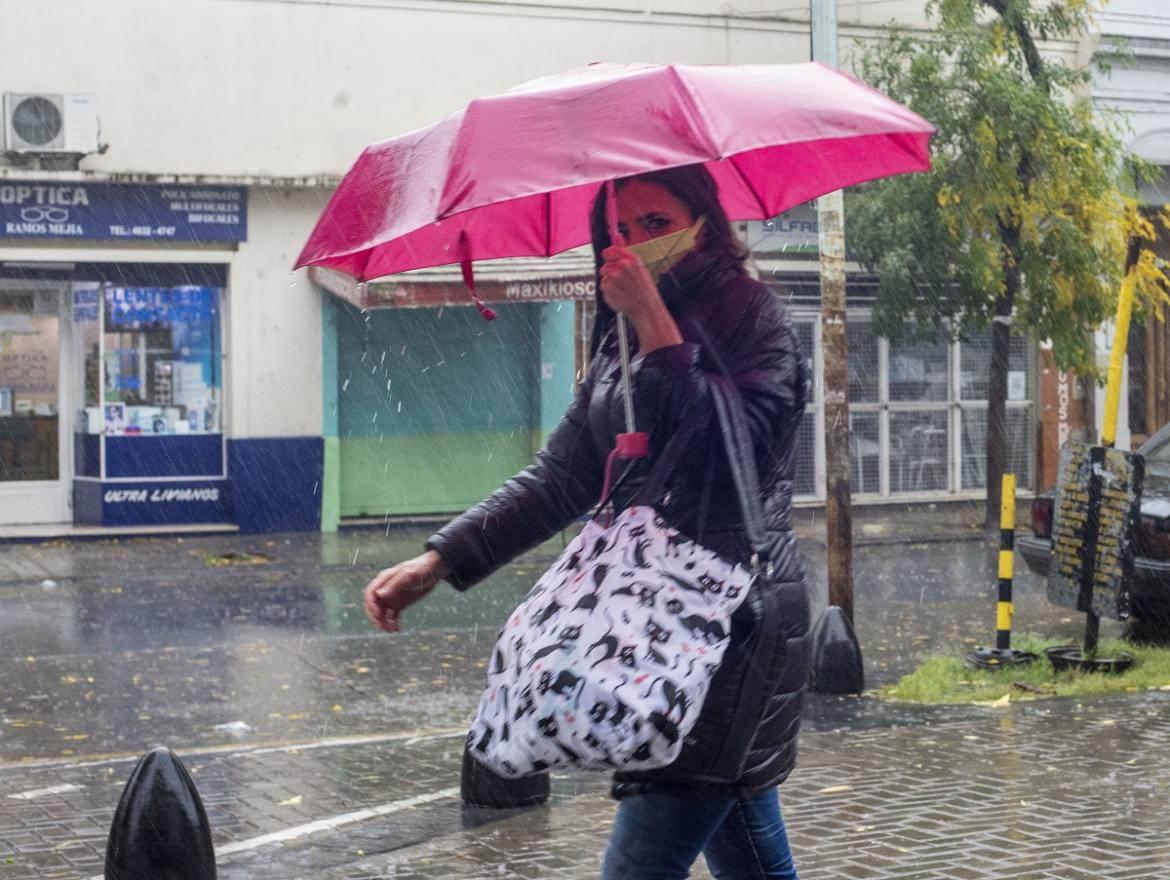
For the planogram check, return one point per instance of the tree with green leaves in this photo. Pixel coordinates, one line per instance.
(1025, 219)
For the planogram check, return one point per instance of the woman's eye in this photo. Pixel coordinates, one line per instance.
(657, 224)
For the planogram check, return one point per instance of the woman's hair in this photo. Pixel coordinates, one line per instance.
(692, 185)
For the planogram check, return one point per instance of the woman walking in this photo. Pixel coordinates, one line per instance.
(678, 277)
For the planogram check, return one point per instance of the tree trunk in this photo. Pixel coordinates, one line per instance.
(1001, 328)
(838, 494)
(997, 415)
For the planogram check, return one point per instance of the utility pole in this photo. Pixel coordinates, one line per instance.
(830, 220)
(837, 666)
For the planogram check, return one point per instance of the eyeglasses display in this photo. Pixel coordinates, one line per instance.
(159, 362)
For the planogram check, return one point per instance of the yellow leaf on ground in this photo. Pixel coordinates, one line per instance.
(834, 789)
(1005, 700)
(292, 801)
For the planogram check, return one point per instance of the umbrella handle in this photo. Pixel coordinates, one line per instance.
(615, 237)
(632, 444)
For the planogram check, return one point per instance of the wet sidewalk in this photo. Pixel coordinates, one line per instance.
(324, 749)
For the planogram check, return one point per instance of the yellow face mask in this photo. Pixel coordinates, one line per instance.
(660, 255)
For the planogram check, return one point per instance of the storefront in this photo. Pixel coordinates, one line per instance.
(429, 407)
(917, 409)
(112, 391)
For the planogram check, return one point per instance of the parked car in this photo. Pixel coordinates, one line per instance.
(1150, 583)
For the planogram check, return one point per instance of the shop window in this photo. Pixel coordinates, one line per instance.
(161, 362)
(863, 363)
(1019, 446)
(29, 379)
(918, 451)
(805, 470)
(865, 452)
(975, 367)
(918, 371)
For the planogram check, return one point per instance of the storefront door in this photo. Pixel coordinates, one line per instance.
(35, 446)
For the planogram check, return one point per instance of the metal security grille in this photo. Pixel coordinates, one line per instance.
(918, 411)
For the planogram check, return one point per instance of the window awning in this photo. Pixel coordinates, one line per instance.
(567, 276)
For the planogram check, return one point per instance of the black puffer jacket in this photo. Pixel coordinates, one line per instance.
(758, 345)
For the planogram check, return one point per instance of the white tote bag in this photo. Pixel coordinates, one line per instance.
(606, 664)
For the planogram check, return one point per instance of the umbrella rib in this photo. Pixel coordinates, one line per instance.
(747, 183)
(548, 224)
(698, 117)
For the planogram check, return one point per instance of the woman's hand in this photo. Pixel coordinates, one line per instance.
(629, 290)
(395, 589)
(626, 285)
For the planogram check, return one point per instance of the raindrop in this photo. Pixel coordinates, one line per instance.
(345, 384)
(400, 406)
(424, 369)
(440, 363)
(403, 350)
(388, 384)
(375, 418)
(383, 360)
(356, 551)
(440, 312)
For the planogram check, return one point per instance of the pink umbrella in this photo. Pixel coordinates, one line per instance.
(514, 175)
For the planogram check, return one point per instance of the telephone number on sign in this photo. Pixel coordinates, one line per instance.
(143, 231)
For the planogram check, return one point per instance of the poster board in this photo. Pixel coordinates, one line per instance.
(1094, 529)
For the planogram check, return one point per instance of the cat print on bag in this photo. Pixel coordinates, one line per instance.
(608, 660)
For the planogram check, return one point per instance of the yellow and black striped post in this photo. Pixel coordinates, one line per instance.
(1002, 656)
(1007, 540)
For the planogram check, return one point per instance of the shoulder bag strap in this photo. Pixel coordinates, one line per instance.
(737, 441)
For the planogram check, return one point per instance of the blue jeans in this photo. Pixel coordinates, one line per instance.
(658, 836)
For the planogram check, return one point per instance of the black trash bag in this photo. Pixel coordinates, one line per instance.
(837, 667)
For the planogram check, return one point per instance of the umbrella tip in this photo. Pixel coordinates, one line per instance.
(488, 314)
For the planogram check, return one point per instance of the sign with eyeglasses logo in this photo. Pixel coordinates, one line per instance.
(122, 211)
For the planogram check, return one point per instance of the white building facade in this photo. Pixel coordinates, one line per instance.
(161, 363)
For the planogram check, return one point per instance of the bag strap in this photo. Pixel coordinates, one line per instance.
(737, 441)
(741, 458)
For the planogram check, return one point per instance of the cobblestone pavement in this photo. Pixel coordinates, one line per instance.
(325, 751)
(1062, 790)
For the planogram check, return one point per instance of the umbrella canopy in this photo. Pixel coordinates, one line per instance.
(514, 174)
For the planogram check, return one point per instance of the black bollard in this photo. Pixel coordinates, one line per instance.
(480, 787)
(160, 828)
(837, 667)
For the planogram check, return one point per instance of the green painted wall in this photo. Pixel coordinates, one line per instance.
(426, 473)
(435, 407)
(557, 365)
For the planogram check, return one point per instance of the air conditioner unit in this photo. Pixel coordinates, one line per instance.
(50, 123)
